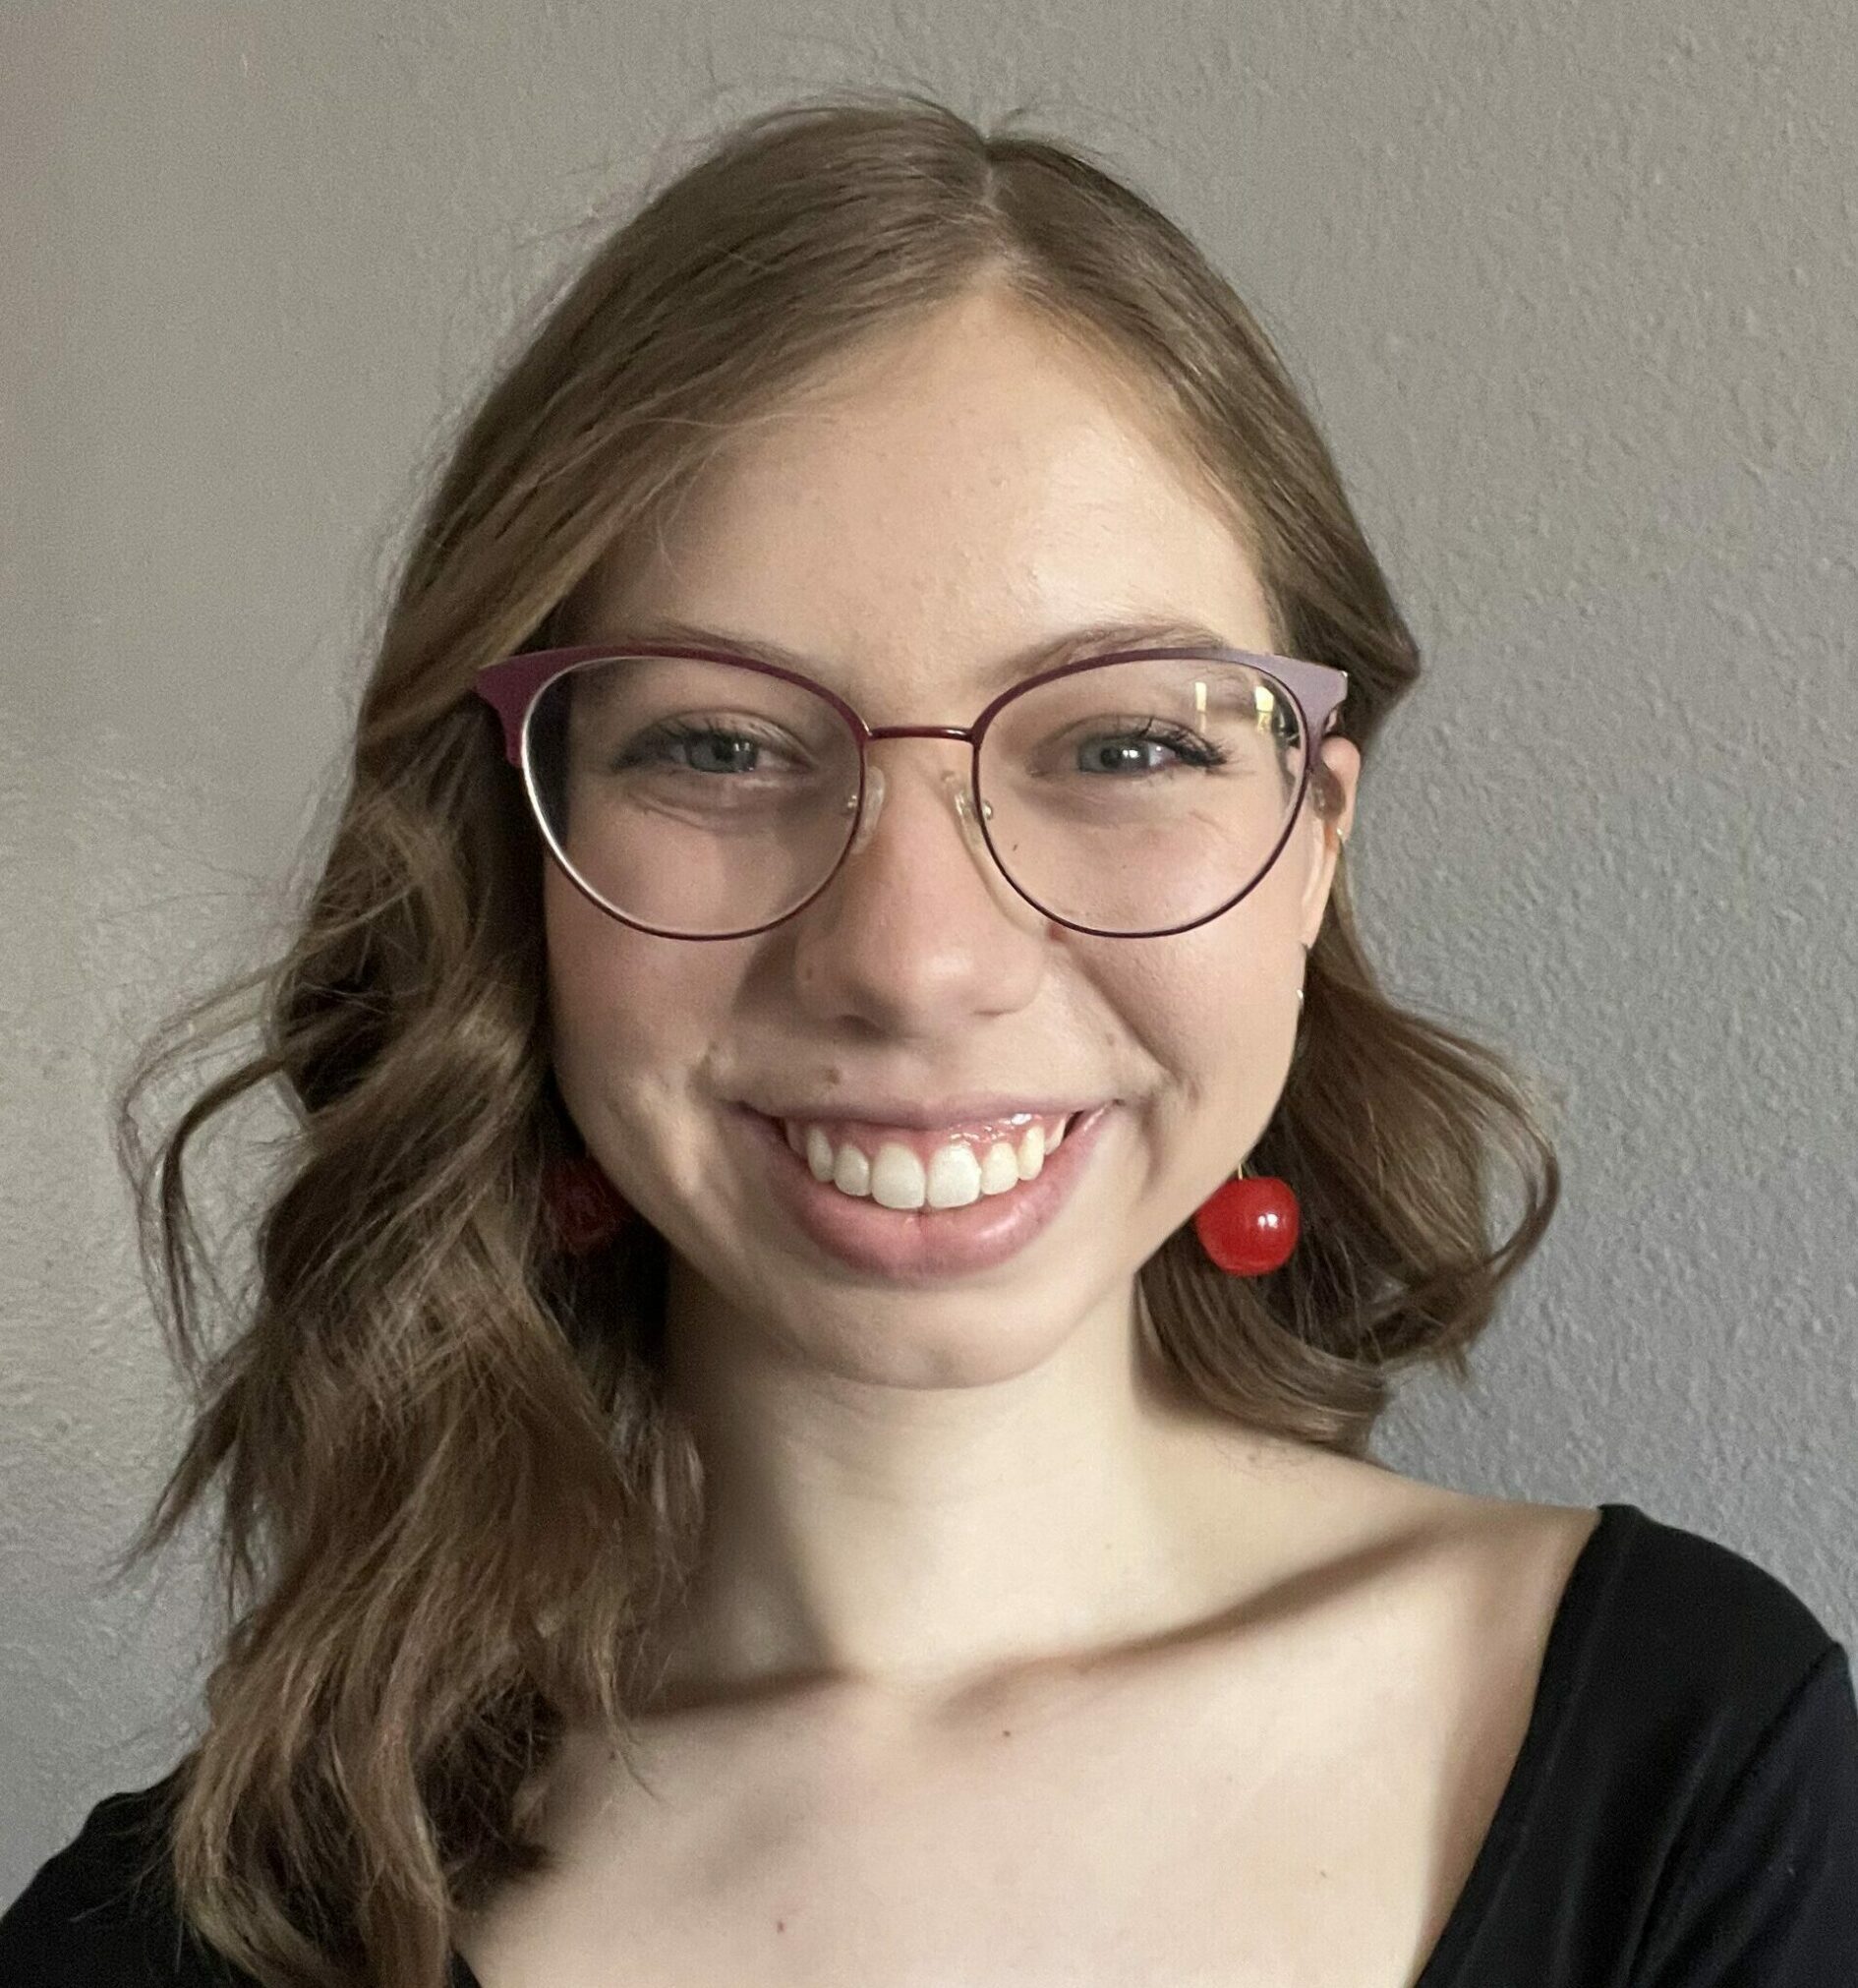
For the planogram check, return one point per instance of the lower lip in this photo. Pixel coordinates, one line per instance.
(920, 1245)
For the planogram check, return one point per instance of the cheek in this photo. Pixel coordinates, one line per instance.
(1215, 1010)
(1210, 1009)
(626, 1011)
(583, 971)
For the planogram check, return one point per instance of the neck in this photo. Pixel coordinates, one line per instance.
(907, 1540)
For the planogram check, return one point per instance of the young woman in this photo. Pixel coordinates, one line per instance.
(805, 1414)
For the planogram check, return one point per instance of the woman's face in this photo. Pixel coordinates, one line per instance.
(968, 493)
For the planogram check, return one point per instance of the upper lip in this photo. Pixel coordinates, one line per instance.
(928, 1117)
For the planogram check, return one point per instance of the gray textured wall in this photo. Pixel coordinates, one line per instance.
(1574, 289)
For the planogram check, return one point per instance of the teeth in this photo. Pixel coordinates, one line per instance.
(956, 1175)
(1000, 1170)
(853, 1172)
(896, 1176)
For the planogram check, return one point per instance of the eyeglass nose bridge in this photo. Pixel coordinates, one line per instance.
(959, 788)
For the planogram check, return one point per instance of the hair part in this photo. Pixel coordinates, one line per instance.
(454, 1504)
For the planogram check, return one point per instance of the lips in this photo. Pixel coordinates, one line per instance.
(920, 1244)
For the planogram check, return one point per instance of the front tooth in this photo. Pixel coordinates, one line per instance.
(851, 1173)
(1057, 1138)
(897, 1178)
(1000, 1170)
(1031, 1156)
(794, 1138)
(819, 1153)
(954, 1177)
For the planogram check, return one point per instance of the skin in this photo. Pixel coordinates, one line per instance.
(912, 1486)
(1003, 1652)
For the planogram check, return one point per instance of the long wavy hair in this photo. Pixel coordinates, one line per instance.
(452, 1501)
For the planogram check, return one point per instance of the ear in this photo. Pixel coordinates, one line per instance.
(1344, 763)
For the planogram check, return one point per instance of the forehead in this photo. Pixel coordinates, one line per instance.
(947, 496)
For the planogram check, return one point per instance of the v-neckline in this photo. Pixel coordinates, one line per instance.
(1550, 1711)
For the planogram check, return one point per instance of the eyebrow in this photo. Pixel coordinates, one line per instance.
(1047, 653)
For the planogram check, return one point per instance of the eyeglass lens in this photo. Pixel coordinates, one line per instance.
(699, 799)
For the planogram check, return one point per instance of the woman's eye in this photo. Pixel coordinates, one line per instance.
(721, 753)
(1122, 756)
(1147, 751)
(694, 749)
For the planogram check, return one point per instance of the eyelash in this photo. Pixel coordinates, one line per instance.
(1192, 748)
(682, 732)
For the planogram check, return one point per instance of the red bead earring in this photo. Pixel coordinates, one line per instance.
(585, 1211)
(1249, 1226)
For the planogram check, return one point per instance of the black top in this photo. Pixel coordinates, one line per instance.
(1683, 1811)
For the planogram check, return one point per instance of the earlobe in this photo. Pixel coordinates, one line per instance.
(1323, 876)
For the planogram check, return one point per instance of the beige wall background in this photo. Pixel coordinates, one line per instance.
(1575, 289)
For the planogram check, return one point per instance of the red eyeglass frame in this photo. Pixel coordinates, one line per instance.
(511, 687)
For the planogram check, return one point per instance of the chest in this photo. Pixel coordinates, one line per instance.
(1301, 1815)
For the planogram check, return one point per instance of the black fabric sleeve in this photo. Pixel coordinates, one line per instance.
(100, 1913)
(1764, 1891)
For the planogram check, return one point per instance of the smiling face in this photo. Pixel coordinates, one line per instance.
(967, 492)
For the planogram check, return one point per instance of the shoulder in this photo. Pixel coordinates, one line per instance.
(100, 1910)
(1694, 1616)
(1653, 1617)
(1687, 1788)
(1663, 1655)
(1729, 1708)
(1676, 1665)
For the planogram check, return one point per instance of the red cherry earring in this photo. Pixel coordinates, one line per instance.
(585, 1211)
(1250, 1226)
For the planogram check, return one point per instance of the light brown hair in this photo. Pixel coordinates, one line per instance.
(453, 1500)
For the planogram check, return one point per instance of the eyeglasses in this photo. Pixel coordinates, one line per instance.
(699, 794)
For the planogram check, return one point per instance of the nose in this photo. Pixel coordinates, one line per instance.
(918, 934)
